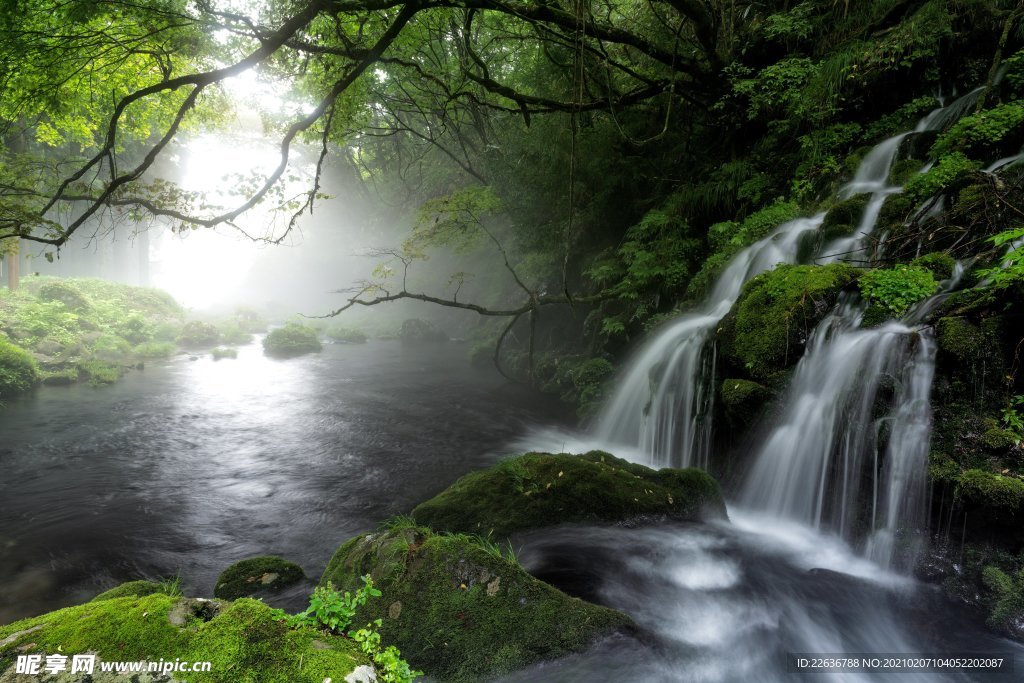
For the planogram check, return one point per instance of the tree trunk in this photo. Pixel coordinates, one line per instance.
(13, 261)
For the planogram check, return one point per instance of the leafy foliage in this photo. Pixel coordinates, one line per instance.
(390, 665)
(291, 339)
(979, 134)
(18, 370)
(946, 173)
(332, 610)
(897, 289)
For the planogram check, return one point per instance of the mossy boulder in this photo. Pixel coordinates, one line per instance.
(197, 334)
(960, 338)
(993, 491)
(18, 370)
(346, 335)
(65, 292)
(245, 641)
(843, 218)
(939, 263)
(768, 327)
(743, 400)
(416, 331)
(542, 489)
(255, 575)
(292, 339)
(461, 612)
(140, 588)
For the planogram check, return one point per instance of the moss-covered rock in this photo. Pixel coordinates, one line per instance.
(256, 574)
(743, 400)
(843, 218)
(959, 337)
(996, 492)
(137, 589)
(291, 340)
(66, 293)
(346, 335)
(460, 612)
(770, 323)
(416, 331)
(997, 439)
(541, 489)
(245, 641)
(18, 370)
(939, 263)
(197, 334)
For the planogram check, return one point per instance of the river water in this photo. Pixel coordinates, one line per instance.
(188, 466)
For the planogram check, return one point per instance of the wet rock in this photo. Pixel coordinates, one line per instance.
(257, 574)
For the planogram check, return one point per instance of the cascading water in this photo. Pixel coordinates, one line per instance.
(810, 469)
(812, 465)
(663, 401)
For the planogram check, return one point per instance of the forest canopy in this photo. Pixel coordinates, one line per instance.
(614, 153)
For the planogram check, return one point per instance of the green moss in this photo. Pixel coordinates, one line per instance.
(991, 490)
(1005, 599)
(291, 340)
(898, 288)
(843, 218)
(154, 349)
(731, 237)
(245, 641)
(98, 372)
(942, 468)
(138, 589)
(743, 399)
(347, 335)
(18, 370)
(999, 439)
(462, 613)
(255, 574)
(59, 378)
(66, 293)
(960, 338)
(980, 135)
(769, 324)
(949, 172)
(197, 334)
(540, 489)
(903, 171)
(939, 263)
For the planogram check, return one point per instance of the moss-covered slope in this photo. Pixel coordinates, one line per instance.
(244, 640)
(541, 489)
(461, 612)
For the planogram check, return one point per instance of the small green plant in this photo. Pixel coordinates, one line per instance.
(493, 548)
(219, 352)
(171, 586)
(1013, 420)
(897, 289)
(333, 610)
(391, 668)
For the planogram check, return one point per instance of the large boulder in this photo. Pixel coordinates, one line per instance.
(543, 489)
(245, 642)
(460, 608)
(765, 332)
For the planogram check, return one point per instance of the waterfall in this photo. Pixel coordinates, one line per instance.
(828, 451)
(663, 401)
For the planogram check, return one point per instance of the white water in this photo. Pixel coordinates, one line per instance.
(820, 459)
(662, 405)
